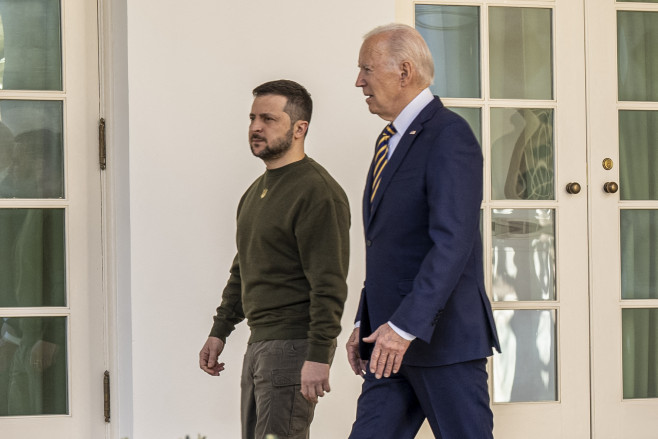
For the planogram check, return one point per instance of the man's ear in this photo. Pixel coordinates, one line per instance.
(406, 73)
(299, 129)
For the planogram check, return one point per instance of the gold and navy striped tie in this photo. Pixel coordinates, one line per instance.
(381, 157)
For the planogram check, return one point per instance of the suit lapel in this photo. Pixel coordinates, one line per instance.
(403, 147)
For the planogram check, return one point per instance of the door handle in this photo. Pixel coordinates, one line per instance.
(610, 187)
(573, 188)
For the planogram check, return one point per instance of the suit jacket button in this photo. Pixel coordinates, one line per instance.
(368, 243)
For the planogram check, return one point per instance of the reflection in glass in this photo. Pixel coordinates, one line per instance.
(474, 118)
(520, 53)
(522, 154)
(523, 254)
(640, 352)
(33, 376)
(526, 370)
(639, 254)
(32, 258)
(31, 48)
(31, 149)
(453, 36)
(638, 155)
(637, 55)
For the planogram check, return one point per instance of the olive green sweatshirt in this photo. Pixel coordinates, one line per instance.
(289, 275)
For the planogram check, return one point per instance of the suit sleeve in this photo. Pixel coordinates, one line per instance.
(454, 196)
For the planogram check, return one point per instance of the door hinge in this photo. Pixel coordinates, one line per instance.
(106, 395)
(102, 158)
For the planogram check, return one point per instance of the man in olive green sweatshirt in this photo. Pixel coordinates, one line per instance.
(288, 278)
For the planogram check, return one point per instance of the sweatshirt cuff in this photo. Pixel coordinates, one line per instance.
(320, 353)
(220, 331)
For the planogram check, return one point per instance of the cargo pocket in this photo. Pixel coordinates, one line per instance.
(290, 413)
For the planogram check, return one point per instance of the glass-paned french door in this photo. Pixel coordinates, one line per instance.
(52, 342)
(624, 212)
(563, 95)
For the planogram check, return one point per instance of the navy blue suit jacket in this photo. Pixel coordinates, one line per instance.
(424, 269)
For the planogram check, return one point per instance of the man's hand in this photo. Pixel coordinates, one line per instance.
(388, 351)
(315, 380)
(209, 354)
(358, 365)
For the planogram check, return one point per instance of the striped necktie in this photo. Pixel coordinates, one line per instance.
(381, 158)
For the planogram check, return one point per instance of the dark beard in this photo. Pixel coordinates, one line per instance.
(278, 148)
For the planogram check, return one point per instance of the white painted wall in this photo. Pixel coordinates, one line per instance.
(191, 67)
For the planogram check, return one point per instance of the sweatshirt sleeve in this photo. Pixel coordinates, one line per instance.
(322, 234)
(229, 312)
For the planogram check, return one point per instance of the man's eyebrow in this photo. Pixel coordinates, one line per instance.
(266, 114)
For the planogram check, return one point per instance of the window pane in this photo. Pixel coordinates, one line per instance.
(639, 254)
(638, 155)
(637, 55)
(522, 154)
(32, 258)
(474, 118)
(526, 370)
(520, 53)
(31, 45)
(640, 352)
(523, 256)
(453, 36)
(33, 376)
(31, 149)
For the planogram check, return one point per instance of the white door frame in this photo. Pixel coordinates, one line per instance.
(112, 18)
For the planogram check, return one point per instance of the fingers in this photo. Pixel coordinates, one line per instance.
(314, 381)
(386, 357)
(208, 356)
(372, 337)
(312, 392)
(214, 370)
(383, 364)
(397, 363)
(357, 365)
(310, 396)
(206, 363)
(377, 361)
(354, 360)
(353, 357)
(203, 358)
(388, 367)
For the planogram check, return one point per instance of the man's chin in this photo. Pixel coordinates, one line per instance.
(258, 150)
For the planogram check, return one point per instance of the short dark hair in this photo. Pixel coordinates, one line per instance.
(299, 105)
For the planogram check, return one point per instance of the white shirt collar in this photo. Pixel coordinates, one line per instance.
(412, 110)
(407, 115)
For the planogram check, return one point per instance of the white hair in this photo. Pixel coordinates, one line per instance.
(404, 43)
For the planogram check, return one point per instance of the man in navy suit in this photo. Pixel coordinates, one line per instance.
(424, 327)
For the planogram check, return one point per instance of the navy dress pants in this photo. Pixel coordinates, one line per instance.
(453, 398)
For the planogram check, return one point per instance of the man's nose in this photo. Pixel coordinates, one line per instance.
(360, 82)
